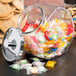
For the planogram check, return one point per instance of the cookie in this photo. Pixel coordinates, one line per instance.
(5, 24)
(17, 11)
(7, 17)
(6, 1)
(3, 27)
(18, 4)
(0, 41)
(4, 9)
(1, 36)
(12, 8)
(15, 19)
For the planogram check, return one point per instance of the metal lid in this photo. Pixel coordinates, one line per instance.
(12, 45)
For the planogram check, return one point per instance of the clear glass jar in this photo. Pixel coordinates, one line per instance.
(47, 30)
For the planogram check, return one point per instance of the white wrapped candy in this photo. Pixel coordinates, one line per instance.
(38, 63)
(41, 69)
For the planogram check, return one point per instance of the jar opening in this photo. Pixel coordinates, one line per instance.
(30, 19)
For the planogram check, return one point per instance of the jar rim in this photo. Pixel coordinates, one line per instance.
(30, 7)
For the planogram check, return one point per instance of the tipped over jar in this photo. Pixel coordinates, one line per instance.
(47, 30)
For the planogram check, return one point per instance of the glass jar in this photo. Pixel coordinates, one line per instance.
(47, 30)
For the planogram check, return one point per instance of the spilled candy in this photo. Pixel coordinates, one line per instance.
(34, 70)
(23, 61)
(15, 66)
(50, 64)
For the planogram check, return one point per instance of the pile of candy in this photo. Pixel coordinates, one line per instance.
(72, 10)
(49, 39)
(36, 67)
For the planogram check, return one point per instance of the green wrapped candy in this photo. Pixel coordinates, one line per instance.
(41, 39)
(35, 59)
(23, 61)
(16, 66)
(54, 36)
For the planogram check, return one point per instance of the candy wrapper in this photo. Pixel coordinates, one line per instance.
(49, 36)
(36, 67)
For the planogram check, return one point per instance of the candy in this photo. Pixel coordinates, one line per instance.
(49, 42)
(41, 55)
(22, 66)
(69, 29)
(56, 20)
(15, 66)
(49, 37)
(38, 63)
(23, 61)
(52, 50)
(63, 25)
(50, 64)
(35, 59)
(61, 45)
(58, 41)
(50, 55)
(62, 39)
(38, 29)
(41, 39)
(25, 27)
(54, 36)
(34, 70)
(34, 25)
(46, 35)
(74, 19)
(41, 69)
(68, 38)
(28, 71)
(28, 65)
(49, 51)
(43, 28)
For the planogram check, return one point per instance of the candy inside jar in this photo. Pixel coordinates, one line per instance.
(46, 37)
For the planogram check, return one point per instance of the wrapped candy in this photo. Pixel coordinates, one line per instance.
(38, 63)
(50, 64)
(15, 66)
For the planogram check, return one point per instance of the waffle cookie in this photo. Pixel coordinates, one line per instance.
(9, 13)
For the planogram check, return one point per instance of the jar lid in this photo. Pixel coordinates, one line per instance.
(12, 45)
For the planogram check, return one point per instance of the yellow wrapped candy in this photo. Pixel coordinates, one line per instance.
(68, 38)
(50, 42)
(63, 25)
(61, 44)
(56, 20)
(25, 46)
(58, 41)
(46, 49)
(50, 64)
(43, 28)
